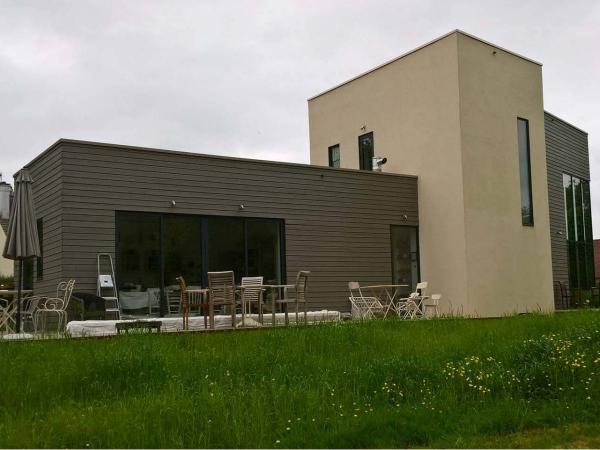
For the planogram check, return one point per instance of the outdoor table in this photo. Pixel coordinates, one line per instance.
(391, 292)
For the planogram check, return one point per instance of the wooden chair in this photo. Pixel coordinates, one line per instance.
(300, 295)
(252, 292)
(221, 292)
(189, 300)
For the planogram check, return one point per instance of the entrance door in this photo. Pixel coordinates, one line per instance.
(405, 256)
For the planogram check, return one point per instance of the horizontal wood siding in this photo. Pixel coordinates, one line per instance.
(46, 173)
(337, 222)
(566, 152)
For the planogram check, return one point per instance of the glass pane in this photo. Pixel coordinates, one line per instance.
(587, 211)
(589, 264)
(578, 202)
(525, 172)
(366, 151)
(573, 271)
(183, 250)
(405, 256)
(226, 245)
(569, 212)
(582, 266)
(334, 156)
(264, 252)
(138, 268)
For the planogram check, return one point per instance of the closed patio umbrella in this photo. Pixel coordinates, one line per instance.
(22, 239)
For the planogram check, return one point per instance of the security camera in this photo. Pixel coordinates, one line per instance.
(378, 161)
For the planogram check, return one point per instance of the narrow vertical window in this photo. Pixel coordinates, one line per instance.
(525, 171)
(366, 151)
(40, 259)
(334, 155)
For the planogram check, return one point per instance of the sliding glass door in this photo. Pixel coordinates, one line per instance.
(152, 250)
(139, 262)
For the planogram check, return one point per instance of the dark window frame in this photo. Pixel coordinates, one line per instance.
(416, 228)
(204, 250)
(363, 162)
(526, 220)
(576, 244)
(332, 161)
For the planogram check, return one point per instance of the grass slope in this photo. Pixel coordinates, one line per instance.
(519, 381)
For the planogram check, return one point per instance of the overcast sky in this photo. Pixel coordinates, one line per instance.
(233, 77)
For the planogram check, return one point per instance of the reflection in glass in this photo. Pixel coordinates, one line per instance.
(525, 172)
(264, 253)
(138, 264)
(226, 250)
(405, 256)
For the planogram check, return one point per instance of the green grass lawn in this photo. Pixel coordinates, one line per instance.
(527, 381)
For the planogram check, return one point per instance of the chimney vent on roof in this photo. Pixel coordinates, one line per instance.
(5, 198)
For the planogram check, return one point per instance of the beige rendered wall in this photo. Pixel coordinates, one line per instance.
(412, 107)
(509, 266)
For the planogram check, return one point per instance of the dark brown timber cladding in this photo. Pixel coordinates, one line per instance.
(46, 173)
(337, 221)
(566, 152)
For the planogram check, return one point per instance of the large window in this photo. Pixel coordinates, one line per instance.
(366, 151)
(525, 171)
(334, 155)
(154, 249)
(578, 222)
(405, 256)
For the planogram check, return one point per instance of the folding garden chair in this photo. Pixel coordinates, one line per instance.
(363, 307)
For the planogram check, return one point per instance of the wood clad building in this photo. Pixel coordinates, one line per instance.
(161, 213)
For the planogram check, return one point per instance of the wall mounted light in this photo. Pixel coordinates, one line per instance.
(242, 207)
(173, 204)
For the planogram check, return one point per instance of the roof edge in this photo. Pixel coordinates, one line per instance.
(456, 31)
(64, 141)
(565, 122)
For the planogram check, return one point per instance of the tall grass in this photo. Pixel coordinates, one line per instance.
(373, 384)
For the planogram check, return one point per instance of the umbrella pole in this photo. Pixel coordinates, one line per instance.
(19, 296)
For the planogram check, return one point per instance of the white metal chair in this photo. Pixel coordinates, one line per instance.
(8, 311)
(411, 307)
(55, 306)
(431, 304)
(252, 292)
(363, 307)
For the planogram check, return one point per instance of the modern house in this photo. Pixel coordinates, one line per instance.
(162, 214)
(484, 195)
(467, 118)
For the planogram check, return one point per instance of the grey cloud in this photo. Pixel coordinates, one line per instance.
(233, 77)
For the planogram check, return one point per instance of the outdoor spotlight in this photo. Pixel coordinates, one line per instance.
(173, 204)
(242, 207)
(378, 161)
